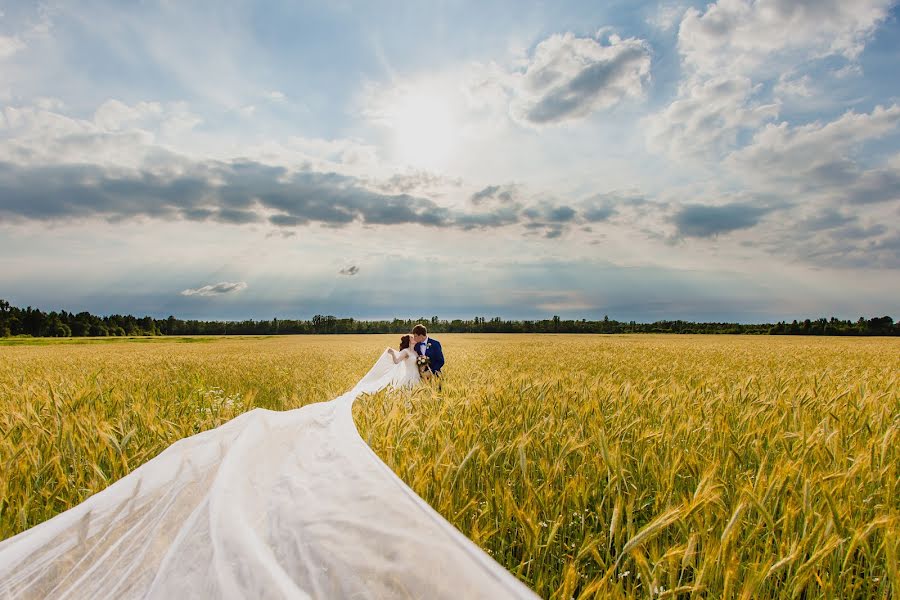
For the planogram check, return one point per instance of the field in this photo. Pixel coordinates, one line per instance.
(589, 466)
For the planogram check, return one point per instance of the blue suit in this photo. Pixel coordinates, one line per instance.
(434, 352)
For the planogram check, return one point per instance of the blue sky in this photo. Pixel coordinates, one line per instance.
(737, 160)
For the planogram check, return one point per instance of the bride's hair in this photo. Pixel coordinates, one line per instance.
(404, 342)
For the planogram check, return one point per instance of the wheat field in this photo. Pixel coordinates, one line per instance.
(589, 466)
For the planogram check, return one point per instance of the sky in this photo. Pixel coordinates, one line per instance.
(736, 160)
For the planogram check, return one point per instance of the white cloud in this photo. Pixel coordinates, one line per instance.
(792, 86)
(753, 41)
(566, 78)
(118, 134)
(570, 77)
(114, 115)
(816, 152)
(847, 71)
(36, 28)
(10, 45)
(741, 35)
(707, 117)
(666, 15)
(218, 289)
(839, 209)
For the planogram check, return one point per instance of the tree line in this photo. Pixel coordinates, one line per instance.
(37, 323)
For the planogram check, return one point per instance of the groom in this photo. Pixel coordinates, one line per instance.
(430, 347)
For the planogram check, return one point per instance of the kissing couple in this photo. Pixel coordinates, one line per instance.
(419, 358)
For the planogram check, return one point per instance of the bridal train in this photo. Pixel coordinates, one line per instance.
(271, 504)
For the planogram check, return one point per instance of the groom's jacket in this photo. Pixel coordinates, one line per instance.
(432, 349)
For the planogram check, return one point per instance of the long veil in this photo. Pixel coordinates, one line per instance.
(271, 504)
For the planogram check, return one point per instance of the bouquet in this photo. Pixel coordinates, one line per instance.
(424, 363)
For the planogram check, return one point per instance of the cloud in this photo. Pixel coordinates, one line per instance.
(602, 207)
(236, 192)
(114, 115)
(815, 154)
(218, 289)
(666, 15)
(570, 77)
(416, 181)
(707, 117)
(565, 78)
(500, 216)
(790, 85)
(44, 176)
(247, 192)
(117, 134)
(872, 246)
(35, 28)
(825, 220)
(733, 49)
(10, 45)
(742, 35)
(702, 221)
(874, 186)
(349, 271)
(498, 193)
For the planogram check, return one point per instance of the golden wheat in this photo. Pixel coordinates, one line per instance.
(76, 417)
(590, 466)
(664, 467)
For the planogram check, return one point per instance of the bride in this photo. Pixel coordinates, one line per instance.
(406, 373)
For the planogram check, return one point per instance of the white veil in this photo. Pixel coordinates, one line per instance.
(271, 504)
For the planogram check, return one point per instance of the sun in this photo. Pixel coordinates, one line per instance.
(423, 128)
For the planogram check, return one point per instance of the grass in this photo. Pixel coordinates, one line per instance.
(589, 466)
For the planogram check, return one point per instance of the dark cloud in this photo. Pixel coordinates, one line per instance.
(596, 214)
(349, 271)
(553, 232)
(246, 192)
(234, 193)
(498, 217)
(549, 219)
(892, 244)
(828, 219)
(561, 214)
(855, 232)
(603, 207)
(874, 187)
(701, 220)
(501, 193)
(217, 289)
(550, 213)
(488, 192)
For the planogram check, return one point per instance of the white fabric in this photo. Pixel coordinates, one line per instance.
(269, 505)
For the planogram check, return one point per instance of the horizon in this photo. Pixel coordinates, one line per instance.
(732, 161)
(428, 320)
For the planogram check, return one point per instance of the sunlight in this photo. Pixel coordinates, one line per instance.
(425, 133)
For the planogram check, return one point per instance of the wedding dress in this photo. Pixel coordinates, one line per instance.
(269, 505)
(406, 372)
